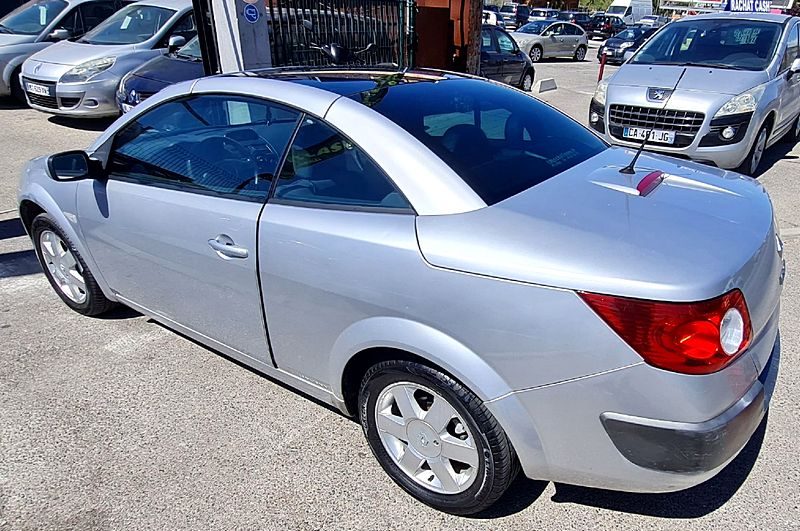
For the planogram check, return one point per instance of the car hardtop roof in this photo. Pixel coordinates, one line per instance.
(344, 81)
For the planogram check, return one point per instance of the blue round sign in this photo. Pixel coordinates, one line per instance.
(251, 13)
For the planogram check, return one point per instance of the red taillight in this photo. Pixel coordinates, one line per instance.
(691, 338)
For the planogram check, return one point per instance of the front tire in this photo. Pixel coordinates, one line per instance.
(580, 54)
(536, 53)
(526, 83)
(753, 160)
(65, 269)
(435, 438)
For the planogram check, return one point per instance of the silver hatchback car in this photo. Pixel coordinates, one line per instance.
(459, 265)
(717, 88)
(81, 78)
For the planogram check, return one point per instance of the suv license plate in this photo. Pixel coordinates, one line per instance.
(657, 135)
(41, 90)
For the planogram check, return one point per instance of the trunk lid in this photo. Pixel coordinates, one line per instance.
(699, 233)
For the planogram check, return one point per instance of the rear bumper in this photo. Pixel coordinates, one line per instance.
(684, 447)
(610, 430)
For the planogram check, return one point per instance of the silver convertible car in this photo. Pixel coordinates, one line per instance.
(459, 265)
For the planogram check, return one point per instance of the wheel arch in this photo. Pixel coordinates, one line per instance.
(36, 200)
(356, 351)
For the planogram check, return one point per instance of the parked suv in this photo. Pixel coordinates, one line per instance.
(717, 88)
(515, 15)
(605, 26)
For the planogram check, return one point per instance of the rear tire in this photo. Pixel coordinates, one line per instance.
(437, 439)
(65, 269)
(536, 53)
(580, 53)
(753, 160)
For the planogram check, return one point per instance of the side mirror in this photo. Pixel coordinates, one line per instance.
(59, 34)
(71, 166)
(795, 68)
(175, 42)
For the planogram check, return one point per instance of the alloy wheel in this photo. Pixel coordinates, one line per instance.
(580, 54)
(64, 269)
(527, 83)
(426, 438)
(536, 54)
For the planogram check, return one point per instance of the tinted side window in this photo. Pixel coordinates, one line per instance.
(184, 27)
(324, 167)
(72, 23)
(216, 145)
(505, 42)
(573, 30)
(95, 12)
(487, 43)
(792, 48)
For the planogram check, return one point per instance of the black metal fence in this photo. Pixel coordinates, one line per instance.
(355, 24)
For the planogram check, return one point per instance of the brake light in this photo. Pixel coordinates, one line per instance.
(690, 338)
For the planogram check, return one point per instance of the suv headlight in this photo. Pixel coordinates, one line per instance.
(600, 92)
(744, 102)
(87, 70)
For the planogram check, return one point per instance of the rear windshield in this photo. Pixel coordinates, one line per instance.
(130, 25)
(32, 18)
(507, 9)
(717, 43)
(499, 140)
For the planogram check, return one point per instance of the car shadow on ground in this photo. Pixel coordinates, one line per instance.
(11, 228)
(780, 151)
(8, 103)
(84, 124)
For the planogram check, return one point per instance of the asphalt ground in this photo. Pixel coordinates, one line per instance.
(119, 423)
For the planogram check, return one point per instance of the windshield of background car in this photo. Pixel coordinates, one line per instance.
(630, 34)
(616, 10)
(534, 28)
(191, 50)
(131, 25)
(500, 141)
(507, 9)
(735, 44)
(32, 18)
(564, 16)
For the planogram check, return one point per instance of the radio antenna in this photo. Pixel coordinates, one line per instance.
(630, 169)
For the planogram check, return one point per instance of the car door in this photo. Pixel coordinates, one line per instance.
(173, 226)
(790, 83)
(513, 60)
(333, 219)
(491, 59)
(554, 45)
(572, 35)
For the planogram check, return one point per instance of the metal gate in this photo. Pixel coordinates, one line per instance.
(388, 24)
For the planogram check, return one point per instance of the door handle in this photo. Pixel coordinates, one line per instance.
(225, 247)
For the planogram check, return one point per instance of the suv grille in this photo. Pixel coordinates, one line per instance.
(687, 122)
